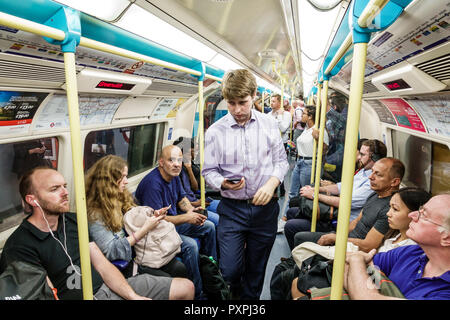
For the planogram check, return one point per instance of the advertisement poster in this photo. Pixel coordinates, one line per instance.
(383, 113)
(93, 110)
(167, 108)
(17, 42)
(404, 114)
(406, 38)
(435, 112)
(17, 110)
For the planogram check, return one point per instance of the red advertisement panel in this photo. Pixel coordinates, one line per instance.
(404, 114)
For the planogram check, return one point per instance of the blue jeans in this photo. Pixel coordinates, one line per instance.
(301, 176)
(190, 251)
(213, 205)
(213, 217)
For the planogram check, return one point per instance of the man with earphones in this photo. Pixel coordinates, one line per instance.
(48, 238)
(370, 152)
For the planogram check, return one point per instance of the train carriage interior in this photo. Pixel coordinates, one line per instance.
(140, 91)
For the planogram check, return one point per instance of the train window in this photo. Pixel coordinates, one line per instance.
(215, 108)
(441, 169)
(16, 159)
(427, 163)
(140, 146)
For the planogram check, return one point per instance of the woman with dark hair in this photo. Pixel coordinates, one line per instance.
(403, 202)
(301, 175)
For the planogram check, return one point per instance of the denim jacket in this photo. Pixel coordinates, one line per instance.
(114, 246)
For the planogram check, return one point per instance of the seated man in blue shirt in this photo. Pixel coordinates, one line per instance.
(419, 271)
(370, 152)
(189, 180)
(161, 188)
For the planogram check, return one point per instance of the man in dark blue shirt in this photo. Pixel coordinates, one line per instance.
(161, 188)
(419, 271)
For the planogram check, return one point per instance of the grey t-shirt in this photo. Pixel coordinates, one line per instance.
(374, 215)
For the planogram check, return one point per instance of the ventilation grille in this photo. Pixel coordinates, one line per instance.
(170, 87)
(438, 68)
(369, 87)
(29, 71)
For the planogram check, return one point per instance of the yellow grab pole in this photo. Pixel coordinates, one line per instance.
(30, 26)
(291, 111)
(310, 100)
(262, 101)
(78, 174)
(201, 133)
(323, 111)
(104, 47)
(346, 44)
(348, 169)
(316, 120)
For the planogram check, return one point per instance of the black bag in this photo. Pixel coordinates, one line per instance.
(315, 272)
(294, 202)
(214, 286)
(325, 212)
(24, 281)
(281, 281)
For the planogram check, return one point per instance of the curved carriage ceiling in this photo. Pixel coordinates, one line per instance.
(248, 32)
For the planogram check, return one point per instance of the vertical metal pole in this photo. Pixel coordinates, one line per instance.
(201, 133)
(348, 168)
(262, 101)
(78, 174)
(323, 111)
(316, 120)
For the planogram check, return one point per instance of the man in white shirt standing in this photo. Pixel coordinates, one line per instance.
(298, 112)
(282, 117)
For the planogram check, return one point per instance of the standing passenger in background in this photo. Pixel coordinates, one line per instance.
(336, 123)
(282, 117)
(28, 155)
(245, 146)
(298, 113)
(301, 175)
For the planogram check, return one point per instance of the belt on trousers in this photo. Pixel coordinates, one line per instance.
(305, 158)
(246, 201)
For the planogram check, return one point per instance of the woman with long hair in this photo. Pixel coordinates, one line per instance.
(107, 201)
(402, 202)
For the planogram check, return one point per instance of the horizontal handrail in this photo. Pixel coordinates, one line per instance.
(31, 26)
(371, 10)
(57, 34)
(100, 46)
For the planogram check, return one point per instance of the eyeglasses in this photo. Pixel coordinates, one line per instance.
(421, 215)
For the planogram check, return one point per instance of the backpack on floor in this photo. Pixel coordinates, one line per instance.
(281, 281)
(214, 286)
(315, 272)
(24, 281)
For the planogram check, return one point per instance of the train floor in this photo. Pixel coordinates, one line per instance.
(280, 247)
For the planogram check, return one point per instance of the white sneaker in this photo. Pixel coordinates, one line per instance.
(281, 224)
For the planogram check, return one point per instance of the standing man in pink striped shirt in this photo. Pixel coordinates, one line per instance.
(246, 161)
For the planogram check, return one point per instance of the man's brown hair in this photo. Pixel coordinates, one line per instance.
(238, 84)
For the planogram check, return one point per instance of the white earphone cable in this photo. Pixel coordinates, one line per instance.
(64, 247)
